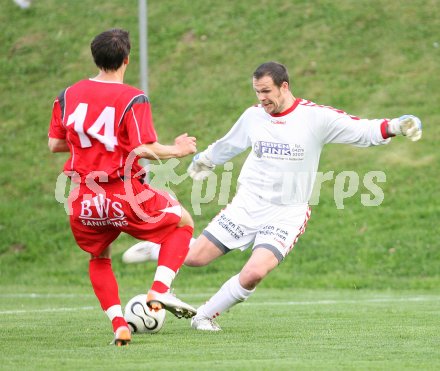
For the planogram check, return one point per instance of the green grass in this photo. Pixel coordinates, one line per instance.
(63, 329)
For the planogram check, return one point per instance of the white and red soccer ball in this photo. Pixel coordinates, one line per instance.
(142, 319)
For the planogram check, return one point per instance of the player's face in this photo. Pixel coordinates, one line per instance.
(272, 98)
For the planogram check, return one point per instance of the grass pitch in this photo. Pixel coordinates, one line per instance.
(275, 329)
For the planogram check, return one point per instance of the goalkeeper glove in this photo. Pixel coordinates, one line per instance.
(407, 125)
(200, 167)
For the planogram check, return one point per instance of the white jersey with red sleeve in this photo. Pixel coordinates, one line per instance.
(286, 147)
(102, 123)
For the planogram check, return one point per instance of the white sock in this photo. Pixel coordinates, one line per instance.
(155, 250)
(114, 311)
(230, 293)
(165, 275)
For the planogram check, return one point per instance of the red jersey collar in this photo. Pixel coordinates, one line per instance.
(287, 111)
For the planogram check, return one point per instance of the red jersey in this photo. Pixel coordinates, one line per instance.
(102, 123)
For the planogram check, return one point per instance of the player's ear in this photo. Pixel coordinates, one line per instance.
(127, 60)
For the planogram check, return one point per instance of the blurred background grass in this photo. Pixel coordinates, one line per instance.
(372, 59)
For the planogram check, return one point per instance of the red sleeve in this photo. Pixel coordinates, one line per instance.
(56, 127)
(139, 125)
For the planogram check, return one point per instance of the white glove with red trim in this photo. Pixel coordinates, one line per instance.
(201, 166)
(408, 125)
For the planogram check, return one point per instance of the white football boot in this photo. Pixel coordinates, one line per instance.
(141, 252)
(204, 324)
(122, 336)
(168, 301)
(23, 4)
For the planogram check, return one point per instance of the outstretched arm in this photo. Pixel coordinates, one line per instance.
(342, 128)
(234, 142)
(183, 146)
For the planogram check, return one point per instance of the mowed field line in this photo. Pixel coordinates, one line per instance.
(50, 310)
(265, 303)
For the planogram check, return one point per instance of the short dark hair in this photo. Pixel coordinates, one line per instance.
(110, 48)
(276, 71)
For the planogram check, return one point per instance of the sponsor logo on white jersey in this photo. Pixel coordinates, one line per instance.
(280, 151)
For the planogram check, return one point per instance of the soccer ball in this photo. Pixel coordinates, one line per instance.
(142, 319)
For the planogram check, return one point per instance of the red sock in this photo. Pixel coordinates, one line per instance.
(173, 252)
(118, 322)
(104, 282)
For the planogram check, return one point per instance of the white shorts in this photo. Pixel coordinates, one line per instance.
(249, 220)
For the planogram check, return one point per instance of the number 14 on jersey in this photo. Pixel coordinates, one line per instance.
(105, 120)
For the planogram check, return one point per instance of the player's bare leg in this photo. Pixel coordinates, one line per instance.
(236, 290)
(259, 265)
(202, 252)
